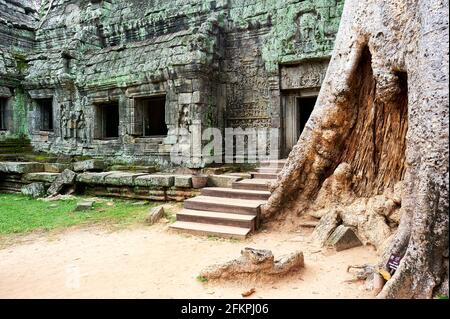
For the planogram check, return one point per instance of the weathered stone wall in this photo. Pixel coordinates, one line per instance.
(217, 62)
(17, 22)
(91, 53)
(263, 38)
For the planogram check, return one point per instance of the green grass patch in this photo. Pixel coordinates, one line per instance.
(202, 279)
(20, 214)
(172, 218)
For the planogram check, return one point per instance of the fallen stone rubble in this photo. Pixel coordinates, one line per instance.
(255, 264)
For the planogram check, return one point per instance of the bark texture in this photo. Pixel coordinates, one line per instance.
(374, 154)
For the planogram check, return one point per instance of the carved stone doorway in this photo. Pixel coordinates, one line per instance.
(297, 108)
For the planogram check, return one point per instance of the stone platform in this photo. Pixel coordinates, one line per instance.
(122, 184)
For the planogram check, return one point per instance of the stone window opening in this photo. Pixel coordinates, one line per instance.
(3, 124)
(46, 114)
(107, 120)
(150, 117)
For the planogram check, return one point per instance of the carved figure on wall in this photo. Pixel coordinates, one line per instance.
(81, 126)
(185, 119)
(64, 121)
(72, 125)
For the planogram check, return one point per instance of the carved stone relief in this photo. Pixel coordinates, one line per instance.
(303, 76)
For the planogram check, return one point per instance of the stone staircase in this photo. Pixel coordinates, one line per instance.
(12, 148)
(229, 212)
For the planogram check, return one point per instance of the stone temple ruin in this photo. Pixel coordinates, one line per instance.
(127, 80)
(104, 91)
(108, 83)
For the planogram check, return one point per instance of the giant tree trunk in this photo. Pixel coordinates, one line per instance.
(376, 145)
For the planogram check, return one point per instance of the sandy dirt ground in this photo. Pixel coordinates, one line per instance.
(154, 262)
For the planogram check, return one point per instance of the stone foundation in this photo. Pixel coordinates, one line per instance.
(128, 185)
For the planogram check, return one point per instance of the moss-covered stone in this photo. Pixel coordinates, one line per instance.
(216, 62)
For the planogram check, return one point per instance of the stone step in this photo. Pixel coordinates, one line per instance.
(211, 230)
(257, 175)
(274, 163)
(224, 205)
(252, 184)
(21, 167)
(217, 218)
(269, 170)
(235, 193)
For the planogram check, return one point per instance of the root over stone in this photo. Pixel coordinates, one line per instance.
(374, 154)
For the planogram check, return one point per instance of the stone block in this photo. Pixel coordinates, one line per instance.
(155, 214)
(326, 226)
(89, 165)
(41, 177)
(21, 167)
(217, 170)
(241, 175)
(163, 148)
(34, 190)
(185, 98)
(92, 178)
(225, 181)
(197, 98)
(56, 167)
(183, 85)
(134, 169)
(155, 181)
(181, 195)
(122, 178)
(84, 206)
(157, 195)
(343, 238)
(256, 263)
(183, 181)
(64, 179)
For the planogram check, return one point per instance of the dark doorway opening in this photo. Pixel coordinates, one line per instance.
(151, 117)
(297, 109)
(107, 120)
(46, 114)
(305, 107)
(3, 126)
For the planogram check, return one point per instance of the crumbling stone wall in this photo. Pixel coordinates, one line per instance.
(17, 23)
(217, 63)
